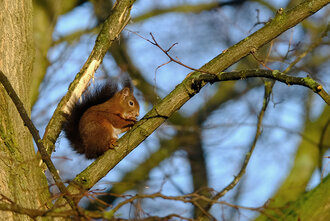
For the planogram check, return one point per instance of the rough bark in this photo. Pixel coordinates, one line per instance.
(22, 179)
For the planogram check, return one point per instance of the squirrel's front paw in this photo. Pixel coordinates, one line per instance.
(113, 143)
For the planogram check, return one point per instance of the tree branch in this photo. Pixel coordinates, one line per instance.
(110, 31)
(187, 89)
(275, 75)
(185, 8)
(132, 179)
(189, 8)
(187, 198)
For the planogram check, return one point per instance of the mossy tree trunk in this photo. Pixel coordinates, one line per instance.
(21, 177)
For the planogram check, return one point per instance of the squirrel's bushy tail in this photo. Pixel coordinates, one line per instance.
(89, 99)
(71, 129)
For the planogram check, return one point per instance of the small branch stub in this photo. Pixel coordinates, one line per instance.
(280, 11)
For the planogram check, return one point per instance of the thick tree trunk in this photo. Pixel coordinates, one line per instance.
(21, 177)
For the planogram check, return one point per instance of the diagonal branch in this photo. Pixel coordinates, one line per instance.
(35, 134)
(187, 89)
(110, 31)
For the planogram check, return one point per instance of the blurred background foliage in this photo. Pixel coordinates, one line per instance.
(201, 148)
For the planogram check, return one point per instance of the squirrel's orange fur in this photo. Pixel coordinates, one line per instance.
(95, 122)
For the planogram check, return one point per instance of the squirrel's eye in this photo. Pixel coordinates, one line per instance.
(131, 103)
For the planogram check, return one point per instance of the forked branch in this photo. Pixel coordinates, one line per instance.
(189, 87)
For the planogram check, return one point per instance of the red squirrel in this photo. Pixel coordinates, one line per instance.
(101, 115)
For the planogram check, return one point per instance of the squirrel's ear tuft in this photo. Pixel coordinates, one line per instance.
(127, 82)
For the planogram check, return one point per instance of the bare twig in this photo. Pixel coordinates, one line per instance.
(157, 218)
(9, 205)
(268, 87)
(316, 43)
(258, 22)
(225, 76)
(166, 52)
(188, 198)
(261, 62)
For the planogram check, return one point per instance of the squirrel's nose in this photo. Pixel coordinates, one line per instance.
(137, 114)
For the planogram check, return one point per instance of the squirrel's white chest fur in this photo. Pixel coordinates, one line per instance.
(116, 132)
